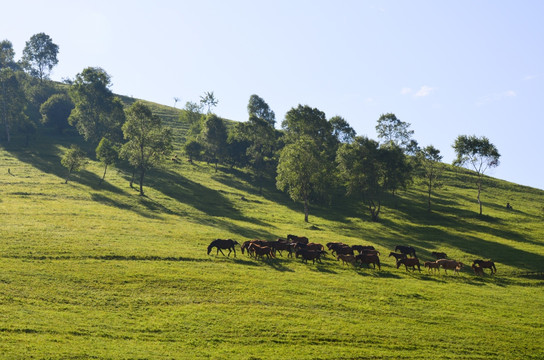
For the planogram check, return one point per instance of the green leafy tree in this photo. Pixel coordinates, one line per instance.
(430, 170)
(28, 128)
(7, 55)
(300, 170)
(391, 130)
(259, 108)
(208, 100)
(479, 154)
(12, 102)
(40, 55)
(97, 112)
(361, 167)
(73, 159)
(397, 168)
(193, 118)
(342, 130)
(107, 153)
(56, 110)
(147, 140)
(214, 138)
(193, 149)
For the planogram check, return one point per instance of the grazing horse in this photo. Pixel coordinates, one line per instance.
(220, 244)
(485, 265)
(280, 245)
(397, 256)
(432, 265)
(368, 259)
(362, 248)
(297, 239)
(439, 255)
(309, 255)
(478, 270)
(450, 265)
(261, 251)
(408, 250)
(331, 245)
(346, 259)
(412, 262)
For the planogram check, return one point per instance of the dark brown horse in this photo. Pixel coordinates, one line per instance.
(297, 239)
(439, 255)
(362, 248)
(397, 256)
(485, 265)
(368, 259)
(314, 255)
(412, 262)
(221, 244)
(408, 250)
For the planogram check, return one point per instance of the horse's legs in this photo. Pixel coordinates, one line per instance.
(220, 251)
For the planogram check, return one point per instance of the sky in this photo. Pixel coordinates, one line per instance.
(449, 68)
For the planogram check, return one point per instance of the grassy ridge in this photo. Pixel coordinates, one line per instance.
(100, 272)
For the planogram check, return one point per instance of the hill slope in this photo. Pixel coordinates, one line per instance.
(94, 271)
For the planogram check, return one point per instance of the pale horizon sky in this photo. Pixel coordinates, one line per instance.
(448, 68)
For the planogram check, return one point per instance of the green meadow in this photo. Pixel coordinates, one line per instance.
(91, 271)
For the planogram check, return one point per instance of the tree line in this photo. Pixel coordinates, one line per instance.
(310, 157)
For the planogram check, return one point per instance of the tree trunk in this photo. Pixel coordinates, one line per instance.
(103, 176)
(132, 180)
(142, 182)
(306, 208)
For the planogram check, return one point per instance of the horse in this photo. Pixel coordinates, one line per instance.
(310, 246)
(297, 239)
(408, 250)
(280, 245)
(397, 256)
(362, 248)
(450, 265)
(340, 248)
(309, 255)
(412, 262)
(432, 265)
(346, 259)
(486, 265)
(439, 255)
(478, 270)
(261, 251)
(368, 259)
(332, 244)
(220, 244)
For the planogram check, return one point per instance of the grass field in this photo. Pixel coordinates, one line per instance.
(98, 272)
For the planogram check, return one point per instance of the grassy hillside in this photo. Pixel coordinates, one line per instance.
(99, 272)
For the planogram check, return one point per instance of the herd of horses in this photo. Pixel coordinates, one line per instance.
(348, 254)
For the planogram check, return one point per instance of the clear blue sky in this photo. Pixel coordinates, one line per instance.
(449, 68)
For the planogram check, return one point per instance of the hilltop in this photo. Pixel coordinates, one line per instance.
(95, 271)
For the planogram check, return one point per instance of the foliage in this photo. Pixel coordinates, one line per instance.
(7, 55)
(342, 130)
(259, 108)
(73, 159)
(40, 55)
(12, 102)
(192, 117)
(214, 138)
(430, 170)
(107, 153)
(479, 153)
(391, 130)
(208, 100)
(56, 110)
(97, 113)
(147, 140)
(193, 149)
(300, 170)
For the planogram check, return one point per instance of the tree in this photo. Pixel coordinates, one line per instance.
(40, 55)
(7, 55)
(192, 116)
(430, 170)
(176, 100)
(73, 159)
(391, 129)
(397, 169)
(361, 167)
(259, 108)
(214, 138)
(479, 153)
(342, 130)
(209, 100)
(12, 101)
(147, 140)
(107, 153)
(300, 170)
(193, 149)
(97, 112)
(56, 110)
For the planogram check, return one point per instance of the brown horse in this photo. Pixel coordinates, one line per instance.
(478, 270)
(362, 248)
(346, 259)
(261, 251)
(485, 265)
(408, 250)
(368, 259)
(297, 239)
(450, 265)
(412, 262)
(397, 256)
(221, 245)
(439, 255)
(314, 255)
(432, 265)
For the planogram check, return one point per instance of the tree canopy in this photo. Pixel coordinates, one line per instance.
(40, 55)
